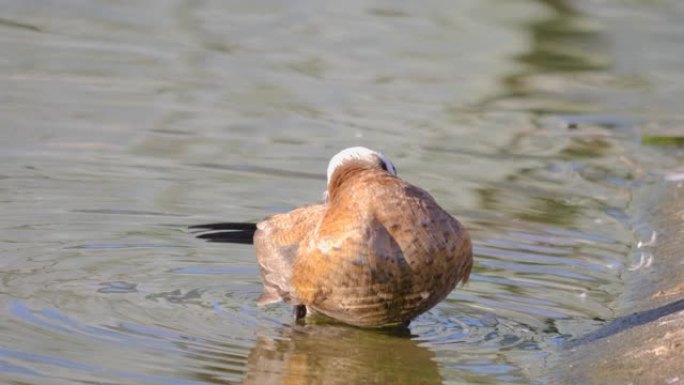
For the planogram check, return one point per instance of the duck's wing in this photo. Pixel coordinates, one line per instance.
(384, 253)
(276, 240)
(434, 244)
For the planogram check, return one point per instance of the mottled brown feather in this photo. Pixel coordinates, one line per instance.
(277, 241)
(381, 251)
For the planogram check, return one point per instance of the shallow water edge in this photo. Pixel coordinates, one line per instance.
(644, 345)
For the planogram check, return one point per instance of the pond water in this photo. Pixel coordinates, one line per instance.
(124, 122)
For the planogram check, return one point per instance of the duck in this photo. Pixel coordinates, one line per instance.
(378, 251)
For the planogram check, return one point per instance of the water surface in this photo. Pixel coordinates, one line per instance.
(123, 123)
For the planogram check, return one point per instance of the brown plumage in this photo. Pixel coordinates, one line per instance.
(379, 251)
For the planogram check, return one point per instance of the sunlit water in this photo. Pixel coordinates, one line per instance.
(123, 123)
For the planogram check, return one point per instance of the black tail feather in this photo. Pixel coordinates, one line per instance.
(230, 232)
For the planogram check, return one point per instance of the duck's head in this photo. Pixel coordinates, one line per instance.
(373, 158)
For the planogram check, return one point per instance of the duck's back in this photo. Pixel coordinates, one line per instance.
(383, 253)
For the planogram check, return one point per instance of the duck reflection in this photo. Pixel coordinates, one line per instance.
(332, 354)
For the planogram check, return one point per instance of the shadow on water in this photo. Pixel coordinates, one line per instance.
(327, 354)
(629, 321)
(564, 43)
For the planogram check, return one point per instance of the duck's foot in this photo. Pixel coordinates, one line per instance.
(299, 312)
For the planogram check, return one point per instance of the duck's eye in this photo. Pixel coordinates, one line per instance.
(387, 167)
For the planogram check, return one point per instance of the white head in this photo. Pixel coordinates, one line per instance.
(358, 153)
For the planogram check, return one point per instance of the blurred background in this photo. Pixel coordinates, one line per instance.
(536, 123)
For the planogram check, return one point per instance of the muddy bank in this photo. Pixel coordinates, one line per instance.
(645, 344)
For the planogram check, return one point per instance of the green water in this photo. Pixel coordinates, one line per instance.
(124, 122)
